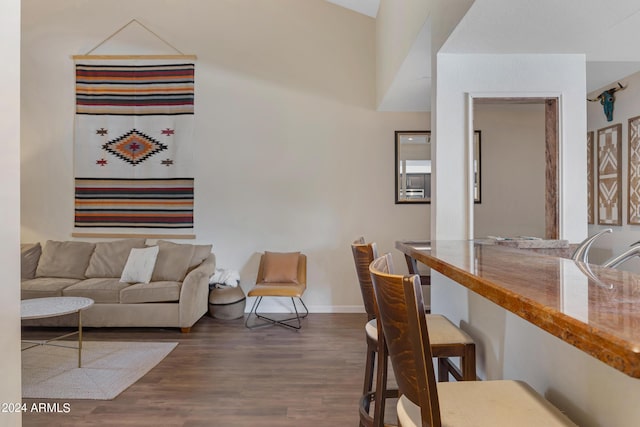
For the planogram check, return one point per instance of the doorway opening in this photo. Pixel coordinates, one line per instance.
(529, 156)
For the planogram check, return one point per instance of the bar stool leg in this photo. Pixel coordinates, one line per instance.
(369, 367)
(468, 363)
(381, 383)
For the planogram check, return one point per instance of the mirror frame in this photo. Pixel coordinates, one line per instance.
(398, 135)
(477, 141)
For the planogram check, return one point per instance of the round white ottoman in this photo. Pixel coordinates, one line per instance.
(227, 303)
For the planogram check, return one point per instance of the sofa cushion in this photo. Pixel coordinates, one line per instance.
(44, 287)
(140, 265)
(109, 258)
(200, 253)
(64, 259)
(100, 290)
(164, 291)
(29, 257)
(173, 262)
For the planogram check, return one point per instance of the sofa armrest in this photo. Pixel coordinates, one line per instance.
(194, 294)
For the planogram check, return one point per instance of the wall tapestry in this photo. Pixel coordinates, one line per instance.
(609, 176)
(634, 171)
(590, 181)
(133, 143)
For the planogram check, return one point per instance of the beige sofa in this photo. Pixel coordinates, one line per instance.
(176, 296)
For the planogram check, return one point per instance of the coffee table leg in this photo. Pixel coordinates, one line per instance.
(79, 338)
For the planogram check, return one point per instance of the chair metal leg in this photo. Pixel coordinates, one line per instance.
(270, 321)
(256, 302)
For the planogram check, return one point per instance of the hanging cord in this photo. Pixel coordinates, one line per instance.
(143, 26)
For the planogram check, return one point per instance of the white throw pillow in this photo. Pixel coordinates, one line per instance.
(140, 264)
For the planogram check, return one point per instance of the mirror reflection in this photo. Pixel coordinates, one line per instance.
(413, 166)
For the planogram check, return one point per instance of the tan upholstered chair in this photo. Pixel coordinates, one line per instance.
(280, 275)
(425, 402)
(448, 341)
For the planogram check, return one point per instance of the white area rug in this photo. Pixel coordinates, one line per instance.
(108, 368)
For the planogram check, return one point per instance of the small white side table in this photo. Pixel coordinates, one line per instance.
(38, 308)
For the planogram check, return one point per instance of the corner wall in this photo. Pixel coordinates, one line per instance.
(10, 364)
(291, 154)
(397, 27)
(463, 75)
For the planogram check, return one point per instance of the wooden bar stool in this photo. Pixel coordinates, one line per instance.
(425, 402)
(449, 341)
(412, 267)
(363, 254)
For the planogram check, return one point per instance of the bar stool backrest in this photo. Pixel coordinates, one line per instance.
(404, 326)
(363, 255)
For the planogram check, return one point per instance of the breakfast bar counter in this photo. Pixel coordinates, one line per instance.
(596, 310)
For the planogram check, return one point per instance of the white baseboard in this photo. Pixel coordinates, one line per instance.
(282, 305)
(336, 309)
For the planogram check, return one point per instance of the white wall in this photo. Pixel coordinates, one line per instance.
(10, 212)
(512, 170)
(627, 105)
(460, 75)
(291, 154)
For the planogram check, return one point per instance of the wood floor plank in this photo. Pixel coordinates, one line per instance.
(222, 374)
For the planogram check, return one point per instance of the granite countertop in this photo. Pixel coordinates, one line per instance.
(593, 308)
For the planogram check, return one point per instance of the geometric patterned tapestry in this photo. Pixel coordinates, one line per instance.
(590, 181)
(133, 143)
(609, 176)
(634, 171)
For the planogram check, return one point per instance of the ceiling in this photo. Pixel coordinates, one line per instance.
(604, 31)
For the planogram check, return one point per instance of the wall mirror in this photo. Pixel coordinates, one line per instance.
(413, 166)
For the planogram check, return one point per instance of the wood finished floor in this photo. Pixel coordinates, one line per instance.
(222, 374)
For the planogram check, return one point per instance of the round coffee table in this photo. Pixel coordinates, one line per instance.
(38, 308)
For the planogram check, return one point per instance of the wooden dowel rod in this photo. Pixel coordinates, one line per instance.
(125, 236)
(115, 57)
